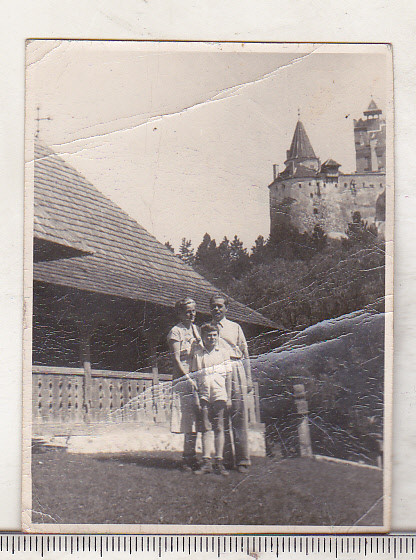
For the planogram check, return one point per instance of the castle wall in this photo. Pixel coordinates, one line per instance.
(314, 201)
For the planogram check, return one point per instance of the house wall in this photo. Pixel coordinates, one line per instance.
(129, 366)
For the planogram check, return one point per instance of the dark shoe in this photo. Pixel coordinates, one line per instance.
(243, 468)
(205, 468)
(220, 469)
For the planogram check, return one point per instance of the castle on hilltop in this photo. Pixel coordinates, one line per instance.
(307, 193)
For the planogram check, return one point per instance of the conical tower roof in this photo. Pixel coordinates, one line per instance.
(301, 147)
(372, 109)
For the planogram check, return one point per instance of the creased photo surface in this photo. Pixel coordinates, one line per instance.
(208, 287)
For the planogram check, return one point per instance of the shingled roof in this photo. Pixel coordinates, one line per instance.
(120, 257)
(301, 147)
(50, 229)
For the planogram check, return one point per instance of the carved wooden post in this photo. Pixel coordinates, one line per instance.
(158, 415)
(380, 456)
(85, 357)
(303, 426)
(256, 402)
(152, 341)
(155, 374)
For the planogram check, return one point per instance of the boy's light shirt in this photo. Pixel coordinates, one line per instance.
(211, 370)
(220, 355)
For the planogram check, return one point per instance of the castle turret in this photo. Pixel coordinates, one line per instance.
(330, 170)
(300, 158)
(370, 140)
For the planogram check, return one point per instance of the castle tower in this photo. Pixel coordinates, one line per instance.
(290, 187)
(370, 141)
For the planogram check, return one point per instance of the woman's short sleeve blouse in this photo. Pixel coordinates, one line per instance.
(186, 338)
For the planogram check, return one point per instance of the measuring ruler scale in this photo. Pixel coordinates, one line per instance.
(207, 547)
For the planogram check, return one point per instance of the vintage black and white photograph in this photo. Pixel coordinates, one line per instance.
(208, 287)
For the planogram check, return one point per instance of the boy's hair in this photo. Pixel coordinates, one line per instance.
(182, 303)
(209, 327)
(219, 295)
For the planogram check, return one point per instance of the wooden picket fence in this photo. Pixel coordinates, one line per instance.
(58, 397)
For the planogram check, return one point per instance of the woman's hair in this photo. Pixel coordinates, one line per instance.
(209, 327)
(182, 303)
(219, 295)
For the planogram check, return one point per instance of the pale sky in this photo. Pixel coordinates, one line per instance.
(185, 141)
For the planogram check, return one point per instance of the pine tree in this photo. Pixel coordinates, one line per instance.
(207, 254)
(319, 238)
(259, 244)
(224, 251)
(237, 250)
(169, 246)
(358, 231)
(259, 249)
(186, 251)
(239, 259)
(204, 248)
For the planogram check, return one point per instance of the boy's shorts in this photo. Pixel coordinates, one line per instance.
(213, 415)
(211, 386)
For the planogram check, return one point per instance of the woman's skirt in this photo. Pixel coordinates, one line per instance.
(183, 412)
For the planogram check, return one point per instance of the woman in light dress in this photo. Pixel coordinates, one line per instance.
(182, 339)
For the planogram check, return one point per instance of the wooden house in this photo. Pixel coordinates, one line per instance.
(103, 301)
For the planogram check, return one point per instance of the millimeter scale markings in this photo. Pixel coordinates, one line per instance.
(208, 546)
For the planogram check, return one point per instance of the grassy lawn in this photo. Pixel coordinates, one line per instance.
(149, 488)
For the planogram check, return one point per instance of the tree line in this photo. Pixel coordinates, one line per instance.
(296, 279)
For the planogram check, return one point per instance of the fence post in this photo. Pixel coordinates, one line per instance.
(256, 400)
(380, 456)
(152, 339)
(85, 358)
(303, 426)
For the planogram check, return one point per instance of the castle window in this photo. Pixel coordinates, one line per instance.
(336, 184)
(363, 184)
(310, 184)
(300, 185)
(371, 186)
(345, 184)
(381, 185)
(318, 184)
(315, 210)
(311, 195)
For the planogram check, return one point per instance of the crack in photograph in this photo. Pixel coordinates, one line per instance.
(208, 287)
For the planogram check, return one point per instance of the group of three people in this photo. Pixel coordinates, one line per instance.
(211, 383)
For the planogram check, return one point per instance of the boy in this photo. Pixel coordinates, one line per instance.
(212, 366)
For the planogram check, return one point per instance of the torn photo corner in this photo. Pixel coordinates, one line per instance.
(208, 287)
